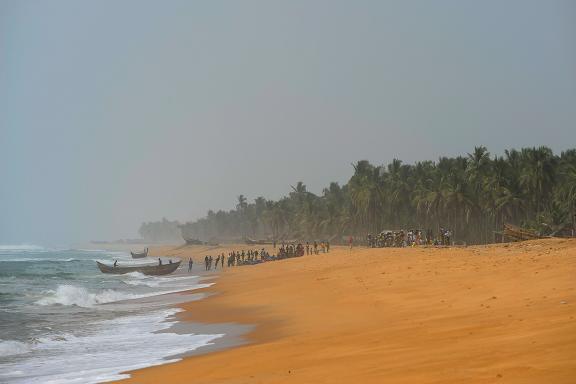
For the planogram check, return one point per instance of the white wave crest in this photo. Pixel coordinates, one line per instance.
(21, 247)
(12, 347)
(136, 275)
(151, 283)
(81, 297)
(140, 279)
(69, 295)
(18, 259)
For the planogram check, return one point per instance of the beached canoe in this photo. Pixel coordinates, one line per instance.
(164, 269)
(136, 255)
(190, 241)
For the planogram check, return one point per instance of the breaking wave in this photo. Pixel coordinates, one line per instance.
(81, 297)
(21, 248)
(69, 295)
(11, 347)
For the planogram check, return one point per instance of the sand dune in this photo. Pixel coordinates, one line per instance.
(493, 314)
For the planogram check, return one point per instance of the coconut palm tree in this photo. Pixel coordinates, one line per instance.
(474, 195)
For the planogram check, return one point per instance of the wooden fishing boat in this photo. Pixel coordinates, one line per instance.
(136, 255)
(250, 241)
(153, 270)
(518, 234)
(190, 241)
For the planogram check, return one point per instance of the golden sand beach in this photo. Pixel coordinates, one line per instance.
(486, 314)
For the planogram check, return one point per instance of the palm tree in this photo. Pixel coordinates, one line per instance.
(538, 175)
(366, 194)
(473, 195)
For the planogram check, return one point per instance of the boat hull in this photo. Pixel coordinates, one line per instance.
(151, 270)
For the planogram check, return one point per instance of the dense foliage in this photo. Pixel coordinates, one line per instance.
(473, 195)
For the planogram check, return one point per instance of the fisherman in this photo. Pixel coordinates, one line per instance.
(115, 263)
(206, 262)
(190, 264)
(307, 248)
(159, 261)
(169, 261)
(217, 261)
(222, 260)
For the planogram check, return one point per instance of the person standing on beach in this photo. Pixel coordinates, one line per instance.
(206, 262)
(190, 263)
(222, 260)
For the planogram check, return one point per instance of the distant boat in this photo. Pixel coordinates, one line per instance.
(155, 270)
(250, 241)
(190, 241)
(136, 255)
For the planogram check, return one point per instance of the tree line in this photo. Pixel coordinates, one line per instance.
(161, 231)
(473, 195)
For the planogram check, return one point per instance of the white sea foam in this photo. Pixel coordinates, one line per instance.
(139, 279)
(81, 297)
(136, 275)
(12, 347)
(145, 283)
(104, 350)
(69, 295)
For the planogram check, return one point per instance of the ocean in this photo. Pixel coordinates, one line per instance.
(63, 321)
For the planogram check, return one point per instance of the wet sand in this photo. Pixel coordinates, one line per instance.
(487, 314)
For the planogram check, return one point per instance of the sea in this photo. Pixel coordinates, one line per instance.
(63, 321)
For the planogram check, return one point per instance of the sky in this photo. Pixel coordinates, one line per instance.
(117, 112)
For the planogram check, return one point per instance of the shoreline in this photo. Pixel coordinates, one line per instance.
(476, 314)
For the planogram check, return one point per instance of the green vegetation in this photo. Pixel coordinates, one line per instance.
(472, 195)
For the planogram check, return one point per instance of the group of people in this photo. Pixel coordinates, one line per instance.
(409, 238)
(251, 257)
(300, 250)
(234, 258)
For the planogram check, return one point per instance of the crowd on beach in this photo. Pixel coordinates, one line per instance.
(401, 238)
(409, 238)
(251, 256)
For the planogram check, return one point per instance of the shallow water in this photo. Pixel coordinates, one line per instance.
(63, 321)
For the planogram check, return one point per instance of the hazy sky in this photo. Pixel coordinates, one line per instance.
(118, 112)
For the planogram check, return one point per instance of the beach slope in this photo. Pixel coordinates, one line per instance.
(488, 314)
